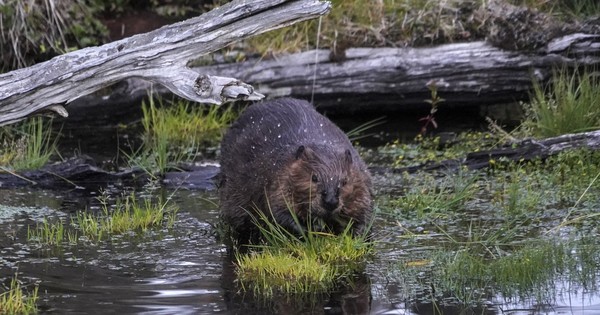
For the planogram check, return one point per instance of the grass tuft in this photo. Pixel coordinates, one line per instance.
(308, 264)
(34, 31)
(436, 196)
(567, 105)
(127, 215)
(28, 145)
(16, 301)
(173, 134)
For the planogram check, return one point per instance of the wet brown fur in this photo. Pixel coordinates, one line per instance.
(308, 166)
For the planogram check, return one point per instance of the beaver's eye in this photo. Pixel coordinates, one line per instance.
(314, 178)
(343, 182)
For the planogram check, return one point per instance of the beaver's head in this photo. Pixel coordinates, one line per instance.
(321, 182)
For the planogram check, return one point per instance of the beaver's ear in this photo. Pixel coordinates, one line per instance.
(348, 157)
(304, 153)
(300, 151)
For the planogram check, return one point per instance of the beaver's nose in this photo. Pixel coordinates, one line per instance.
(330, 200)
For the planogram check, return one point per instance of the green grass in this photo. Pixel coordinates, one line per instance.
(52, 234)
(512, 189)
(310, 264)
(567, 105)
(434, 196)
(524, 228)
(28, 145)
(580, 8)
(126, 215)
(427, 149)
(526, 271)
(496, 263)
(175, 133)
(14, 299)
(399, 23)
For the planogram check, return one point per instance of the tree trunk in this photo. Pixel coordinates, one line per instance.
(159, 56)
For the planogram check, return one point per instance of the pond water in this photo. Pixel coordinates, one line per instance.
(186, 269)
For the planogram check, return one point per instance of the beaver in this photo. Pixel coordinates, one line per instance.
(281, 156)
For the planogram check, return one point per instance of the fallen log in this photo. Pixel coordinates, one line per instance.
(81, 172)
(159, 56)
(392, 79)
(529, 149)
(525, 150)
(472, 74)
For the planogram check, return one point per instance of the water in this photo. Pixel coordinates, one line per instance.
(186, 270)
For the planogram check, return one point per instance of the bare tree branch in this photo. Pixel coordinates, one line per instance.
(159, 56)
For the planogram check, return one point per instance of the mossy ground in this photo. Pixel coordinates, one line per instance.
(292, 265)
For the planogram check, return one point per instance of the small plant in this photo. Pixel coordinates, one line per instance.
(29, 145)
(15, 301)
(307, 264)
(567, 105)
(174, 134)
(432, 86)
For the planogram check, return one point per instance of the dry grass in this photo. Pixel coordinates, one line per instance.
(380, 23)
(35, 30)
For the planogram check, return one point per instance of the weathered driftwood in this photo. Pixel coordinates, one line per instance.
(526, 150)
(159, 56)
(388, 79)
(474, 73)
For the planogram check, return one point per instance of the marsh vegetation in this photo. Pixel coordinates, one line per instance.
(516, 235)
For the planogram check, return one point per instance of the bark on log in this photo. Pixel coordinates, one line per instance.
(159, 56)
(476, 73)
